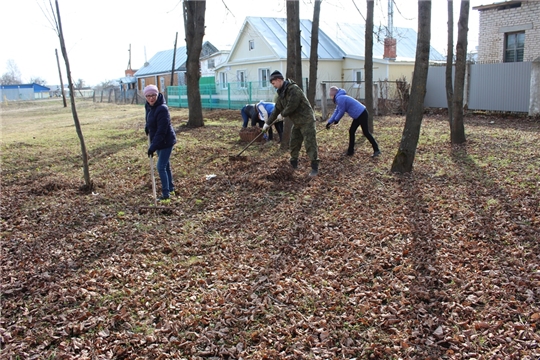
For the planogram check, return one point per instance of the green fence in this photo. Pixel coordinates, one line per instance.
(223, 96)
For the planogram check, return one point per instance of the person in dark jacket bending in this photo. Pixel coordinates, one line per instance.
(162, 137)
(249, 112)
(293, 104)
(356, 110)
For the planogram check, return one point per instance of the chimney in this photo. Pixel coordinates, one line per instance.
(390, 51)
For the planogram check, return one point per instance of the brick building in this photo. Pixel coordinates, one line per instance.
(509, 31)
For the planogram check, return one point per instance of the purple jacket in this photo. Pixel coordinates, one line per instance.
(345, 104)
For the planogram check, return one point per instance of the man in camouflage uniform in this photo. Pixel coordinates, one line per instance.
(292, 103)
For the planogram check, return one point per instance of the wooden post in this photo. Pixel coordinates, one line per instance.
(324, 108)
(376, 98)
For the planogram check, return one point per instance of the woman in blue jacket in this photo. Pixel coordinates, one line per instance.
(356, 110)
(162, 137)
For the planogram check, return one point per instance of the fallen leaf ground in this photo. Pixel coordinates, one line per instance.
(260, 262)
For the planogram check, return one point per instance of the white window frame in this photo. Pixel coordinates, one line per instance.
(143, 84)
(223, 80)
(181, 78)
(251, 45)
(357, 73)
(264, 78)
(515, 49)
(241, 77)
(161, 84)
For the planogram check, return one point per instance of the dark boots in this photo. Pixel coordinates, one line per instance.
(294, 163)
(314, 168)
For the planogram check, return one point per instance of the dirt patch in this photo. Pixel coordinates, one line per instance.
(222, 114)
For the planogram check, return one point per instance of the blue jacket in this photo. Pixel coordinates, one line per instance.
(265, 109)
(158, 123)
(345, 104)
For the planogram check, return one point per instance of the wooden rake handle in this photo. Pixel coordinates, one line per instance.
(248, 145)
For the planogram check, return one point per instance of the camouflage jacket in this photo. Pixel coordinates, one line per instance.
(293, 104)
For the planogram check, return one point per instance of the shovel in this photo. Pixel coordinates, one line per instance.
(153, 180)
(162, 208)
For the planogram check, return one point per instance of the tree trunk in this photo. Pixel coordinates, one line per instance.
(314, 55)
(294, 58)
(88, 184)
(449, 60)
(369, 63)
(194, 12)
(61, 81)
(457, 129)
(404, 159)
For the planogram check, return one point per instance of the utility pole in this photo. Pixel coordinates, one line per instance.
(174, 59)
(129, 61)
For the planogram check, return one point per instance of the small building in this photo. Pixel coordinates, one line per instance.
(209, 63)
(509, 32)
(158, 70)
(24, 92)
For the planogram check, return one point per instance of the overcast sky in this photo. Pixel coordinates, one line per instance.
(98, 33)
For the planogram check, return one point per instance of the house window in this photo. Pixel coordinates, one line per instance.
(161, 84)
(223, 80)
(211, 63)
(514, 47)
(181, 78)
(251, 45)
(357, 76)
(264, 76)
(241, 77)
(143, 84)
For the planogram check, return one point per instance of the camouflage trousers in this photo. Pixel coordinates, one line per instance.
(304, 133)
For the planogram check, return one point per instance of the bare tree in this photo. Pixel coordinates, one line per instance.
(294, 59)
(88, 184)
(37, 80)
(450, 59)
(79, 84)
(62, 90)
(404, 159)
(457, 129)
(13, 74)
(294, 48)
(314, 55)
(194, 16)
(369, 62)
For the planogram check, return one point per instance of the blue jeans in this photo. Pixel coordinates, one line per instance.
(248, 112)
(164, 171)
(245, 117)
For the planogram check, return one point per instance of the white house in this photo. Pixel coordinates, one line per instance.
(261, 47)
